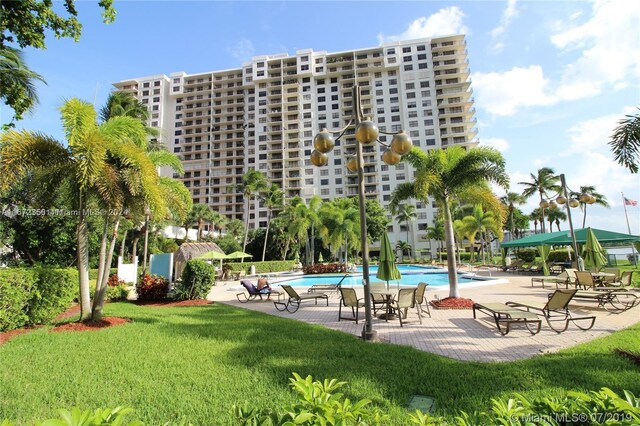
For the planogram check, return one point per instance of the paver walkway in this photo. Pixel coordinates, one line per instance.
(454, 333)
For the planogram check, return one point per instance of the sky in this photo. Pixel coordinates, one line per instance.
(551, 79)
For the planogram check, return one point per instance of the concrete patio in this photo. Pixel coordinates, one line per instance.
(454, 333)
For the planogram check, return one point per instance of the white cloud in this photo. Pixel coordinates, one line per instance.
(608, 59)
(498, 143)
(609, 46)
(446, 21)
(498, 32)
(503, 93)
(242, 50)
(591, 136)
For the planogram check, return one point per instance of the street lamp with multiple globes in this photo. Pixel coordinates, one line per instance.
(366, 133)
(569, 199)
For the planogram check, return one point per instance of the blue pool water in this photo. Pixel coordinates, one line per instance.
(404, 269)
(434, 279)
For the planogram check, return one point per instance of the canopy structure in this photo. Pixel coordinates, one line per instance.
(188, 251)
(563, 238)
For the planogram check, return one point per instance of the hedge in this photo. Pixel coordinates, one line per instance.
(263, 267)
(30, 296)
(464, 256)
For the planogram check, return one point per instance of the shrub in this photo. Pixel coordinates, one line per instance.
(324, 268)
(15, 289)
(30, 296)
(197, 278)
(99, 417)
(263, 267)
(152, 287)
(528, 255)
(115, 281)
(465, 256)
(559, 256)
(53, 294)
(115, 293)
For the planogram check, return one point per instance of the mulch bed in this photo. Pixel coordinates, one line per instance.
(172, 303)
(90, 326)
(5, 336)
(453, 303)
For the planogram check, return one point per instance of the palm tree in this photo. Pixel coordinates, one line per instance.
(481, 222)
(200, 214)
(590, 190)
(555, 216)
(537, 217)
(253, 183)
(625, 142)
(273, 199)
(17, 82)
(404, 247)
(443, 174)
(91, 161)
(510, 200)
(436, 232)
(545, 180)
(340, 226)
(405, 213)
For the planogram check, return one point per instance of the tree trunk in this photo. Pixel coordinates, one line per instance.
(122, 245)
(584, 216)
(103, 252)
(83, 263)
(286, 248)
(101, 287)
(266, 235)
(134, 249)
(146, 245)
(451, 258)
(313, 244)
(246, 230)
(200, 228)
(542, 212)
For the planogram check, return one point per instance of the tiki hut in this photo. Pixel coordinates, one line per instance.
(188, 251)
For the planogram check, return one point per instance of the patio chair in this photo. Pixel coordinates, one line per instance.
(406, 299)
(612, 299)
(585, 280)
(612, 280)
(556, 310)
(327, 287)
(562, 278)
(295, 299)
(253, 292)
(348, 299)
(505, 316)
(378, 300)
(421, 299)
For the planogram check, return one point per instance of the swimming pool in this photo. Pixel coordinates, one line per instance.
(434, 279)
(405, 269)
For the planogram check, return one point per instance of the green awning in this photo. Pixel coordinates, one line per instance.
(563, 238)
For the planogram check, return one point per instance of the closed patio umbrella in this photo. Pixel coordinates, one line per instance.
(387, 269)
(593, 253)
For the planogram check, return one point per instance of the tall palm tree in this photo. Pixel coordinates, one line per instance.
(436, 232)
(510, 200)
(340, 226)
(404, 247)
(625, 143)
(443, 174)
(537, 217)
(124, 104)
(481, 222)
(589, 190)
(17, 82)
(545, 180)
(406, 213)
(273, 199)
(253, 183)
(200, 214)
(87, 161)
(555, 216)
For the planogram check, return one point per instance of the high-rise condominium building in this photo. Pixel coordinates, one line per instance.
(264, 115)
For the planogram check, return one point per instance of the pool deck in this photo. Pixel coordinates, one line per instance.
(454, 333)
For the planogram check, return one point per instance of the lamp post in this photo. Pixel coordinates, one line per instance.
(366, 132)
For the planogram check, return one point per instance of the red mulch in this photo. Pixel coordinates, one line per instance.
(88, 326)
(172, 303)
(73, 310)
(453, 303)
(5, 336)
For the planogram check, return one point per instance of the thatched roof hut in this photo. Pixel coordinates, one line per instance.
(188, 251)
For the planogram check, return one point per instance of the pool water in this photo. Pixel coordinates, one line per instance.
(434, 279)
(404, 269)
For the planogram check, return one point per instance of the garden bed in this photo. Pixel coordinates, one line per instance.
(453, 303)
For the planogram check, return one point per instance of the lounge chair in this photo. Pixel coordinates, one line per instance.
(295, 299)
(566, 277)
(406, 299)
(585, 280)
(348, 299)
(612, 299)
(253, 292)
(505, 316)
(557, 310)
(327, 287)
(420, 299)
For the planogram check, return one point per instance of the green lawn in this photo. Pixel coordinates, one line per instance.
(196, 362)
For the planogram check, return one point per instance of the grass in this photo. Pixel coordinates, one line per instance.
(195, 362)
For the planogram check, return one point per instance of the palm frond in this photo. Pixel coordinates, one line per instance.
(178, 198)
(122, 129)
(165, 158)
(78, 119)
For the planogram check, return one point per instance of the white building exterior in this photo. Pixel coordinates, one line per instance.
(265, 114)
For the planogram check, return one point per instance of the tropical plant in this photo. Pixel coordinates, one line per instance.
(481, 222)
(436, 232)
(625, 142)
(589, 190)
(510, 200)
(273, 199)
(235, 228)
(545, 180)
(200, 214)
(340, 226)
(253, 183)
(555, 215)
(405, 213)
(405, 248)
(537, 217)
(443, 174)
(17, 83)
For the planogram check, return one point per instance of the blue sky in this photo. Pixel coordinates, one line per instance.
(550, 79)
